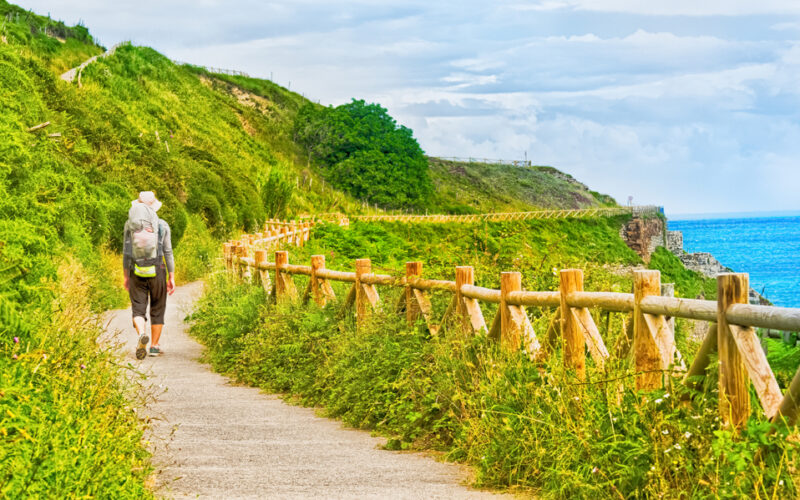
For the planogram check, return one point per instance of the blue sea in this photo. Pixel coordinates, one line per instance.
(768, 248)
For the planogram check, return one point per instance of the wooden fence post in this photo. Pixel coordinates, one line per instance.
(510, 331)
(415, 302)
(571, 280)
(365, 294)
(467, 309)
(734, 384)
(284, 285)
(465, 275)
(413, 270)
(321, 290)
(647, 356)
(226, 254)
(263, 274)
(244, 270)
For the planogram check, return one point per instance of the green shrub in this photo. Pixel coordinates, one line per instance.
(276, 193)
(365, 153)
(688, 283)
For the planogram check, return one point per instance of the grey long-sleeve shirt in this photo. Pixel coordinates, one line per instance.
(164, 247)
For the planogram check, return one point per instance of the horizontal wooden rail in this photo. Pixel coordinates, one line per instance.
(380, 279)
(330, 274)
(499, 216)
(481, 293)
(292, 269)
(426, 284)
(705, 310)
(777, 318)
(534, 299)
(609, 301)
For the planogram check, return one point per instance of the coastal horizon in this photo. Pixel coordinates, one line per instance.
(766, 214)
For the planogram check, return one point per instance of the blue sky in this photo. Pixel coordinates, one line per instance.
(691, 105)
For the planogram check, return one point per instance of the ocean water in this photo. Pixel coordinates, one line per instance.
(768, 248)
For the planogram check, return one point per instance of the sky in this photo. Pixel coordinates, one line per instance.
(692, 105)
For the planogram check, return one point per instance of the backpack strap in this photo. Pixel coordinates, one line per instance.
(159, 246)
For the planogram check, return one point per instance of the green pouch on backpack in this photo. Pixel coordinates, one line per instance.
(144, 271)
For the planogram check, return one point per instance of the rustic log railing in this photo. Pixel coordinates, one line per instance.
(495, 217)
(732, 319)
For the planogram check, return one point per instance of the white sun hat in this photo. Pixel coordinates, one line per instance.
(148, 198)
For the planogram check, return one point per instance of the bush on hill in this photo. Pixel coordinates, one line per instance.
(364, 152)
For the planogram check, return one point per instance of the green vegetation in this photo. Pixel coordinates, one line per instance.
(58, 46)
(66, 428)
(67, 424)
(463, 187)
(365, 153)
(533, 247)
(688, 283)
(522, 425)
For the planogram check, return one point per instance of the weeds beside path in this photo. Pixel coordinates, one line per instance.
(212, 439)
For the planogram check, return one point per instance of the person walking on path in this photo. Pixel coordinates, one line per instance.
(149, 269)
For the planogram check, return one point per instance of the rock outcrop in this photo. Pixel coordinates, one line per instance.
(704, 263)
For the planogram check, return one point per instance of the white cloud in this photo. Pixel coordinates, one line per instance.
(669, 7)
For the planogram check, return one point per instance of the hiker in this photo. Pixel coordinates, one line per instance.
(149, 269)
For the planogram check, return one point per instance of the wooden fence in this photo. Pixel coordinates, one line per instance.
(211, 69)
(488, 161)
(497, 217)
(732, 334)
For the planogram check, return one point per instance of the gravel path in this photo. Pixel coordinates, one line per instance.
(69, 75)
(213, 439)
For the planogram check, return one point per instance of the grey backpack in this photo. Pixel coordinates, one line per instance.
(144, 228)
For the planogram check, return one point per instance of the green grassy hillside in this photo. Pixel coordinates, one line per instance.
(463, 187)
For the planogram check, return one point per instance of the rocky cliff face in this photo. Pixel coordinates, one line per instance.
(704, 263)
(643, 236)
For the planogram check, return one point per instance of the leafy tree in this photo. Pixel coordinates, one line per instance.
(276, 192)
(364, 152)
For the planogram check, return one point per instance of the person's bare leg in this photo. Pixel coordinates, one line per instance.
(156, 333)
(139, 325)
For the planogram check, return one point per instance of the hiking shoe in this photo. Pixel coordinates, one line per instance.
(155, 351)
(141, 347)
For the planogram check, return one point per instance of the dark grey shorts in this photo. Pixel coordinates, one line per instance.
(152, 290)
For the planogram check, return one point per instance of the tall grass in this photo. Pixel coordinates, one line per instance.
(68, 424)
(530, 427)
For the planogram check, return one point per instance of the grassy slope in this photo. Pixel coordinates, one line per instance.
(65, 425)
(481, 188)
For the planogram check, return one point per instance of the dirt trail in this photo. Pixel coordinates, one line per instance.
(213, 439)
(70, 75)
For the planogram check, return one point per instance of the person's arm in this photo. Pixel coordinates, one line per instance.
(169, 260)
(127, 254)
